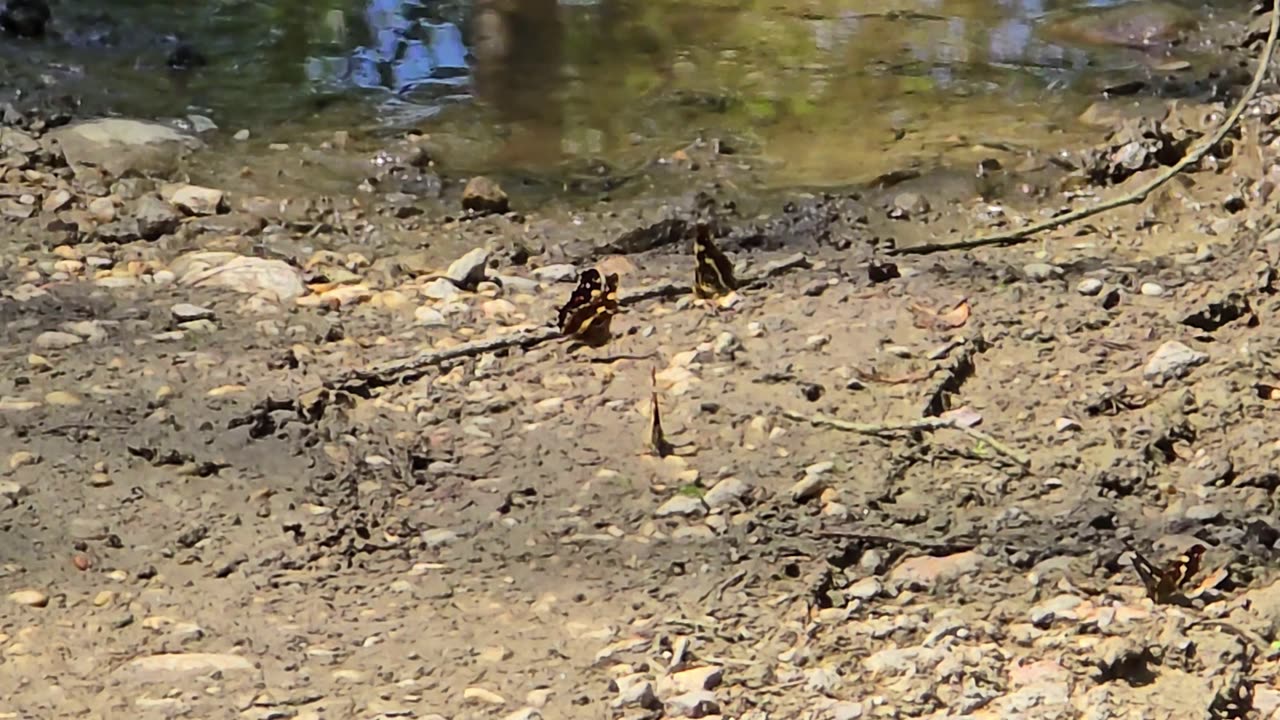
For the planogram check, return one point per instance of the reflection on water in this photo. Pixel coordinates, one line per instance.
(818, 85)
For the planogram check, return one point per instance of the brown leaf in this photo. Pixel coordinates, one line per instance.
(929, 319)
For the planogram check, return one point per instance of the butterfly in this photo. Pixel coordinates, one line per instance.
(713, 273)
(591, 307)
(657, 439)
(1162, 584)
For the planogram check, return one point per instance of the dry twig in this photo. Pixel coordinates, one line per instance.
(922, 425)
(1193, 156)
(389, 372)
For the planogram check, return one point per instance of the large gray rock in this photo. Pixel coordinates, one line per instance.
(120, 146)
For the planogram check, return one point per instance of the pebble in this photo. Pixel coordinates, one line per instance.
(560, 272)
(23, 458)
(186, 312)
(468, 271)
(927, 570)
(481, 695)
(195, 199)
(56, 340)
(438, 537)
(696, 704)
(63, 398)
(816, 342)
(441, 289)
(808, 487)
(1172, 360)
(1065, 424)
(1040, 272)
(241, 135)
(634, 690)
(56, 200)
(102, 209)
(865, 589)
(1089, 287)
(726, 492)
(706, 677)
(681, 505)
(29, 597)
(1151, 289)
(164, 667)
(429, 316)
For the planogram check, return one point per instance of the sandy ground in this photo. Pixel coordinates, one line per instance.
(191, 525)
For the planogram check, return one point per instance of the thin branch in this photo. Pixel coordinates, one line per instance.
(923, 425)
(388, 372)
(1022, 235)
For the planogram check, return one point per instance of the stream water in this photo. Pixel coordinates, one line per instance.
(824, 90)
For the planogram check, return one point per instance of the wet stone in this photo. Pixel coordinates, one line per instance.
(483, 195)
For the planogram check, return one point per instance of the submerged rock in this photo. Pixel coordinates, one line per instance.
(483, 195)
(120, 146)
(1137, 25)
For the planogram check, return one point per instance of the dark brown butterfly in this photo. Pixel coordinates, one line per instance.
(1162, 584)
(713, 273)
(657, 439)
(591, 307)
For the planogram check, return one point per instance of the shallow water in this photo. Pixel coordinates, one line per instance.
(816, 91)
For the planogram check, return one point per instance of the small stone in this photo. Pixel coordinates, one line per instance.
(1172, 360)
(155, 218)
(1089, 287)
(539, 697)
(816, 342)
(23, 458)
(428, 316)
(808, 487)
(186, 312)
(726, 492)
(438, 537)
(1040, 272)
(927, 571)
(696, 704)
(1151, 289)
(166, 667)
(195, 200)
(63, 398)
(55, 340)
(102, 209)
(634, 690)
(468, 271)
(441, 289)
(681, 505)
(1065, 424)
(864, 589)
(726, 345)
(481, 695)
(241, 135)
(706, 677)
(560, 272)
(29, 597)
(56, 200)
(911, 203)
(483, 195)
(846, 711)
